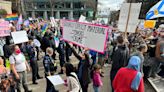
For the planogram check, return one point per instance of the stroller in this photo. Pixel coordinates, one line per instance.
(7, 83)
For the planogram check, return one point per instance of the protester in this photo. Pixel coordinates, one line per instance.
(7, 50)
(72, 79)
(102, 58)
(3, 69)
(140, 53)
(129, 79)
(93, 57)
(19, 66)
(68, 52)
(119, 57)
(61, 51)
(159, 53)
(50, 69)
(31, 50)
(83, 69)
(45, 42)
(97, 82)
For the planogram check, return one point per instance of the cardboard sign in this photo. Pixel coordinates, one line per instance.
(129, 18)
(85, 35)
(149, 23)
(56, 80)
(82, 18)
(19, 37)
(4, 28)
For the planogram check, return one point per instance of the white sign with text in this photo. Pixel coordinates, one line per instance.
(85, 35)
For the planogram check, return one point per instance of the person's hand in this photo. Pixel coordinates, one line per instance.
(17, 76)
(71, 45)
(28, 69)
(86, 49)
(49, 74)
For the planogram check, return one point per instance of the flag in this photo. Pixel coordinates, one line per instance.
(10, 17)
(45, 27)
(26, 23)
(156, 11)
(20, 21)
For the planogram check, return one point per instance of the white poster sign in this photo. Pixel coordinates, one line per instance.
(133, 17)
(85, 35)
(19, 37)
(82, 18)
(56, 80)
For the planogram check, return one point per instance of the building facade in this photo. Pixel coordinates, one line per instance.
(69, 9)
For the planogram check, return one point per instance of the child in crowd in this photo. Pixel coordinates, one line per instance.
(97, 82)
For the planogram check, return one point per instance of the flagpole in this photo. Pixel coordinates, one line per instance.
(126, 28)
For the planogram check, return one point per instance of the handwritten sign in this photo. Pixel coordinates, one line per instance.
(130, 21)
(4, 28)
(19, 37)
(149, 23)
(82, 18)
(85, 35)
(56, 80)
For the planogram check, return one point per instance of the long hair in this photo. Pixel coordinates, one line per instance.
(69, 68)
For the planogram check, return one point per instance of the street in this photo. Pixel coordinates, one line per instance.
(41, 87)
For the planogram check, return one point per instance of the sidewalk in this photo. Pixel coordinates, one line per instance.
(157, 83)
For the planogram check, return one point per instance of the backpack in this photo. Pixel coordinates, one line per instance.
(53, 65)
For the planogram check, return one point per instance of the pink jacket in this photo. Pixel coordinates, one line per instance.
(97, 79)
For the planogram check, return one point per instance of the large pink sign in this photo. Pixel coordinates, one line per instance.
(4, 28)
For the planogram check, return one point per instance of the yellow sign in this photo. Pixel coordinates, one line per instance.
(6, 5)
(149, 24)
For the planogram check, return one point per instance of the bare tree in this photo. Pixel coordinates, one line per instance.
(92, 4)
(52, 7)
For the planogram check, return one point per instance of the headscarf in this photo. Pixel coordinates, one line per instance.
(134, 63)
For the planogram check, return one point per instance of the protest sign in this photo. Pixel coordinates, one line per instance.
(85, 35)
(149, 23)
(82, 18)
(19, 37)
(56, 80)
(4, 28)
(128, 19)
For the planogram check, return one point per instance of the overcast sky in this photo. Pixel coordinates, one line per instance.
(112, 4)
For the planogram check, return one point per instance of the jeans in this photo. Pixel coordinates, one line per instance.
(96, 88)
(22, 80)
(84, 87)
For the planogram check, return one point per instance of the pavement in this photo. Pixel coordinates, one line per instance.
(157, 83)
(41, 87)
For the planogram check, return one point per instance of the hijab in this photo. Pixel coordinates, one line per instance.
(134, 63)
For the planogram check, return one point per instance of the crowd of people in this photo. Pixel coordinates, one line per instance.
(134, 58)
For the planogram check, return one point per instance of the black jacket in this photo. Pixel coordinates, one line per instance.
(120, 57)
(7, 51)
(85, 78)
